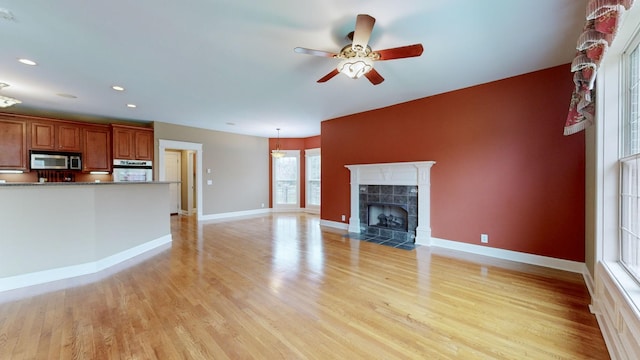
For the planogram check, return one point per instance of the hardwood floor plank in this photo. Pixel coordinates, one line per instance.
(278, 287)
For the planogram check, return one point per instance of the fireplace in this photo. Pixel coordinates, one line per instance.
(403, 187)
(389, 211)
(388, 216)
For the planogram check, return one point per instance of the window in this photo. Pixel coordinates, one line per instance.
(313, 179)
(612, 149)
(286, 177)
(629, 165)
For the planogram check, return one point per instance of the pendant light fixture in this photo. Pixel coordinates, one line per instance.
(277, 153)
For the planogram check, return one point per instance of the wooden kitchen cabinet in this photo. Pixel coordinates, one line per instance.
(132, 142)
(96, 150)
(13, 144)
(55, 136)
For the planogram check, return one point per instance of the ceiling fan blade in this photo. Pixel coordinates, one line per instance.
(400, 52)
(374, 77)
(306, 51)
(329, 76)
(364, 27)
(350, 36)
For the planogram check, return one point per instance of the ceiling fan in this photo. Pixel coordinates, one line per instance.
(356, 59)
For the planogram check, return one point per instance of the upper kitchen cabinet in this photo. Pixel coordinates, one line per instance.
(132, 142)
(55, 136)
(13, 143)
(96, 150)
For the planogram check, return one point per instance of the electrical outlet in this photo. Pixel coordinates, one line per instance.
(262, 205)
(484, 238)
(344, 217)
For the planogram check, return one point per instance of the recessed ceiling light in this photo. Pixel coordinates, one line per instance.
(131, 105)
(117, 88)
(28, 62)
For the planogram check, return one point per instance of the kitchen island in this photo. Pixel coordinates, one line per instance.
(54, 231)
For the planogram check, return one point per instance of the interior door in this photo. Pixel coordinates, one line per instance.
(172, 166)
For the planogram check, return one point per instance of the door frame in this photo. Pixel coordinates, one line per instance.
(178, 155)
(190, 177)
(164, 145)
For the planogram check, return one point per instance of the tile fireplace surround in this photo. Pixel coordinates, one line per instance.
(401, 173)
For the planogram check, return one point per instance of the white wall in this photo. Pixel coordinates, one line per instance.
(239, 167)
(55, 231)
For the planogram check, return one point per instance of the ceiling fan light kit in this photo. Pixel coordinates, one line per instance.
(357, 58)
(355, 67)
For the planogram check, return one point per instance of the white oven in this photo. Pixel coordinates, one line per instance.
(132, 170)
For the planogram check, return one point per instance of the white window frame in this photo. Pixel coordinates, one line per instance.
(616, 294)
(285, 207)
(629, 222)
(312, 208)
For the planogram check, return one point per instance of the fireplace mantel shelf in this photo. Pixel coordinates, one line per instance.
(399, 173)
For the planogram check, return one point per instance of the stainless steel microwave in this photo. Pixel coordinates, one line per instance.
(55, 161)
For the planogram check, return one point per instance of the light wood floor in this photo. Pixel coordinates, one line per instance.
(276, 287)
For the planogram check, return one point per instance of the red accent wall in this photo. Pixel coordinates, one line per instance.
(503, 166)
(293, 144)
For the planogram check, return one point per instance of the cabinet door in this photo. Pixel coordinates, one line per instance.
(13, 144)
(123, 144)
(55, 136)
(143, 140)
(43, 136)
(96, 152)
(68, 137)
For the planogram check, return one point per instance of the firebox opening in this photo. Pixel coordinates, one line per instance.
(388, 216)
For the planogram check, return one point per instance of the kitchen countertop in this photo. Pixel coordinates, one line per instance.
(82, 183)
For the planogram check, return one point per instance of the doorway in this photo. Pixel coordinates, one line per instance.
(193, 170)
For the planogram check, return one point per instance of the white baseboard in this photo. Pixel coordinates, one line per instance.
(235, 214)
(256, 212)
(286, 210)
(131, 253)
(588, 280)
(334, 224)
(561, 264)
(67, 272)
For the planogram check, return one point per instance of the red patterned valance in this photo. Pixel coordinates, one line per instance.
(603, 20)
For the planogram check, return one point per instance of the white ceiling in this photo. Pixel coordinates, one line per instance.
(229, 65)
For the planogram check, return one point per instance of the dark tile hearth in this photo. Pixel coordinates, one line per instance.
(382, 240)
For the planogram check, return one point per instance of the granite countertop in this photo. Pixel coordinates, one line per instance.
(82, 183)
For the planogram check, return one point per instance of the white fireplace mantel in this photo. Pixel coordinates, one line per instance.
(400, 173)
